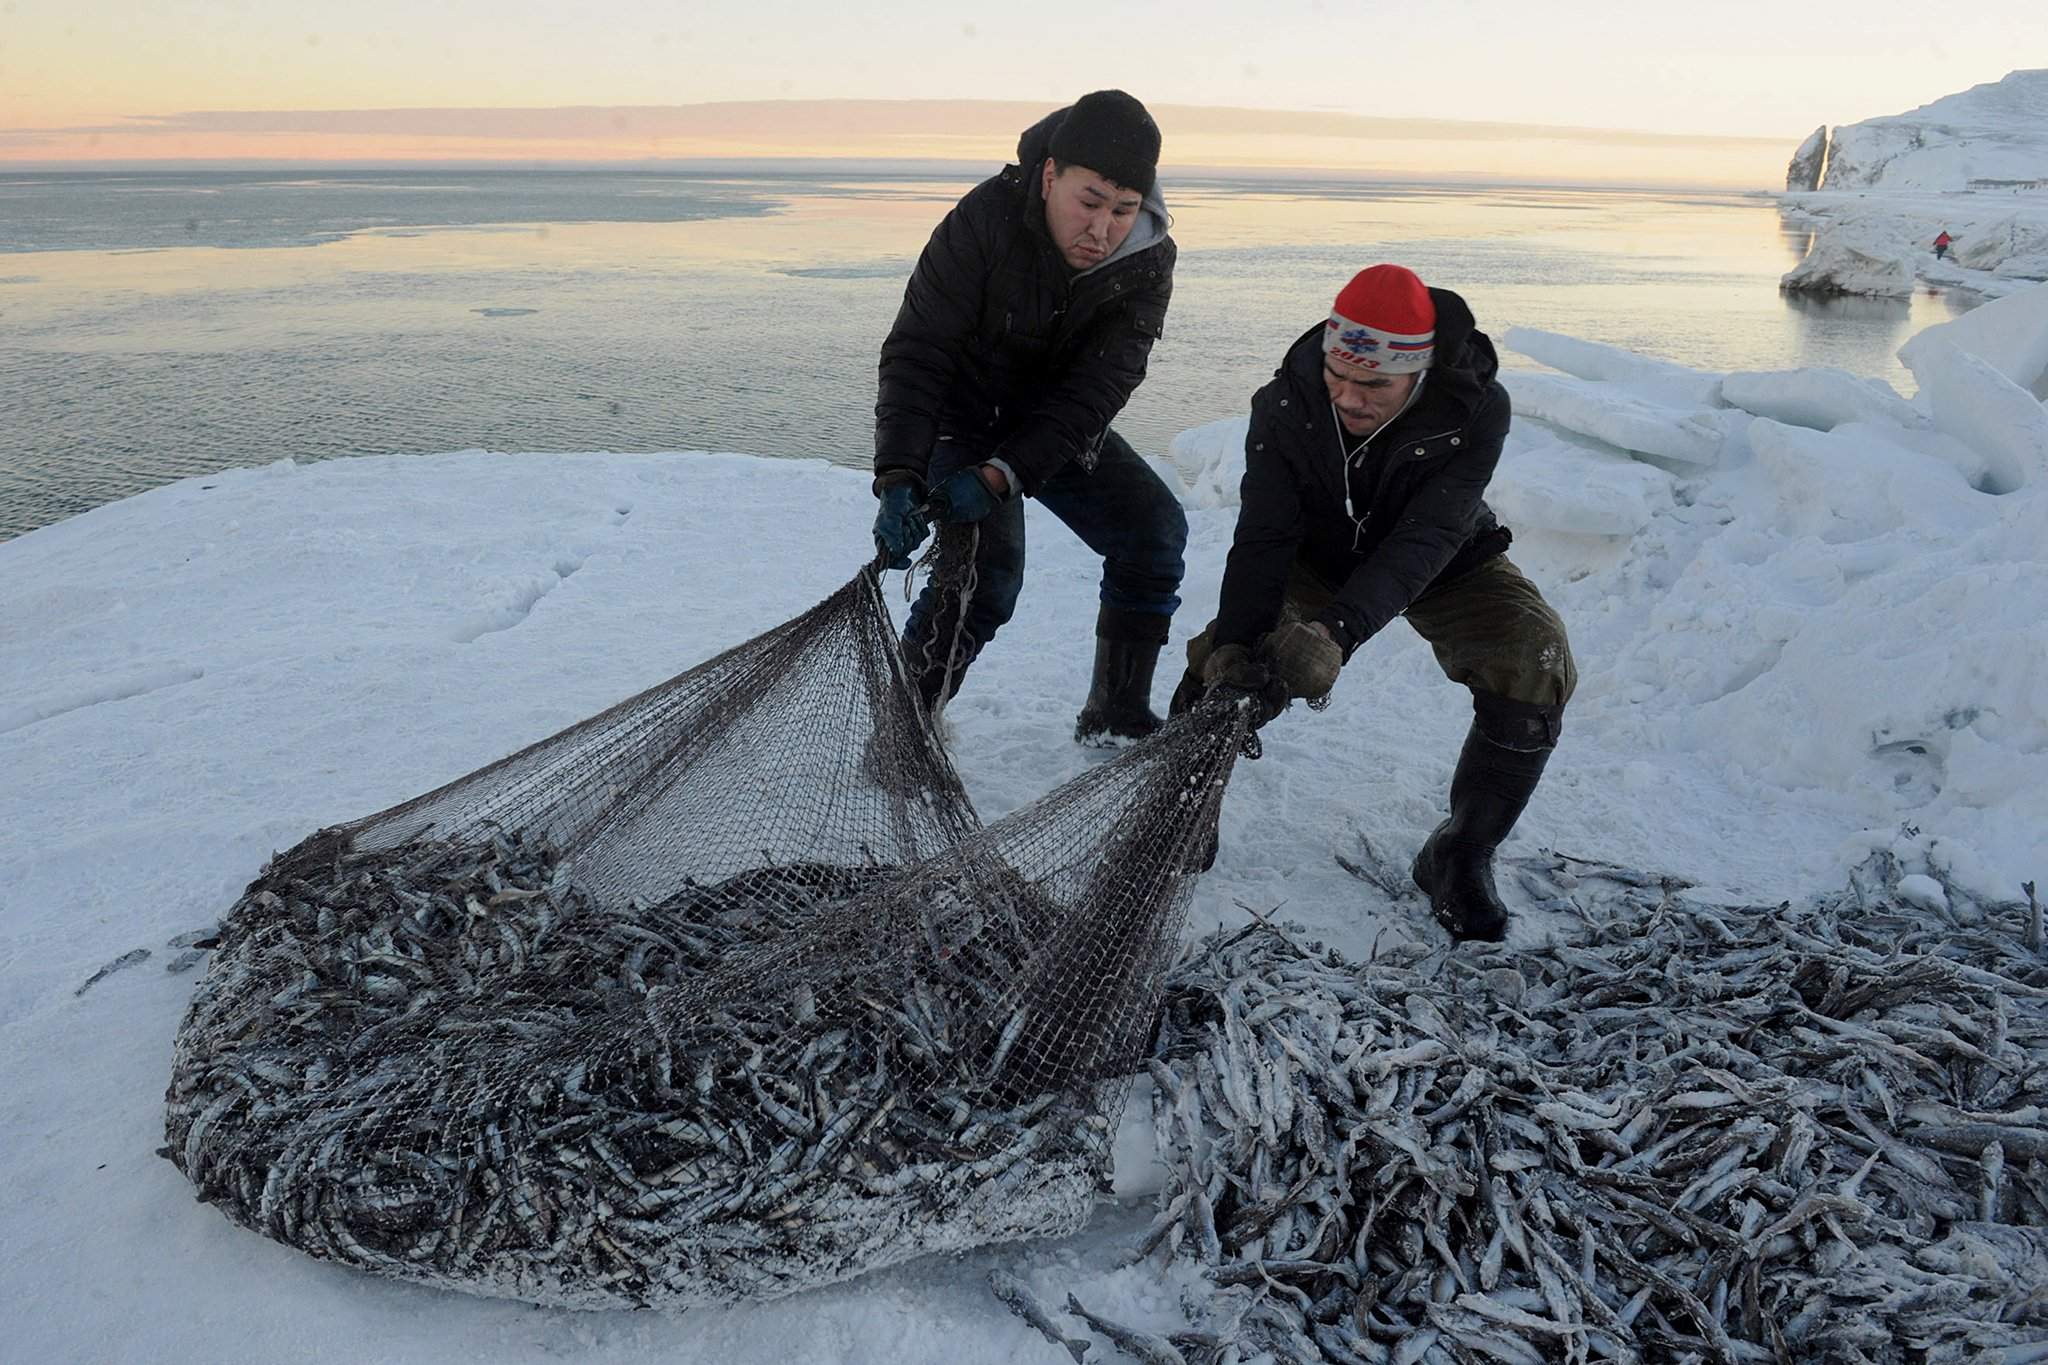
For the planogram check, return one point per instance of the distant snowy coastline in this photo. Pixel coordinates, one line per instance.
(1877, 193)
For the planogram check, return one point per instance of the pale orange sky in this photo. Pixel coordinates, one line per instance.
(1724, 93)
(978, 131)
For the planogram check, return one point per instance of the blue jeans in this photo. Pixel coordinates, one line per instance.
(1121, 510)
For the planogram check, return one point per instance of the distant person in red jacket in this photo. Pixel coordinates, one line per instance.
(1941, 244)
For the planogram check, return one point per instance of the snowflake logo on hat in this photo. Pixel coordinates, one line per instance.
(1383, 320)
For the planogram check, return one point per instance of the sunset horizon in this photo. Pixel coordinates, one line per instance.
(966, 133)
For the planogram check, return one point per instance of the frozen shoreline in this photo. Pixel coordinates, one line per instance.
(1806, 613)
(2001, 238)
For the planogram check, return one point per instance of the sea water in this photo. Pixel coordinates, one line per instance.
(163, 324)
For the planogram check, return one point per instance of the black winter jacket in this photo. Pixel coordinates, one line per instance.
(1417, 515)
(1001, 345)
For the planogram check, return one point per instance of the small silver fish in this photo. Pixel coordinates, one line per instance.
(1018, 1298)
(127, 959)
(1148, 1347)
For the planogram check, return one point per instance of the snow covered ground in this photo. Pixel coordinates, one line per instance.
(1808, 619)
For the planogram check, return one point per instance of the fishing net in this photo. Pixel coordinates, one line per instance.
(721, 994)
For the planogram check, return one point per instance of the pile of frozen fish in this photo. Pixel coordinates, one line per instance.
(1698, 1132)
(442, 1062)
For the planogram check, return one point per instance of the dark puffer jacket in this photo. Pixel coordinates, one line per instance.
(1001, 345)
(1417, 515)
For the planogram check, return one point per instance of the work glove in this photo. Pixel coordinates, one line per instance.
(965, 497)
(900, 526)
(1234, 672)
(1303, 658)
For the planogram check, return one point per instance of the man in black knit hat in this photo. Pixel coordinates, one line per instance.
(1024, 328)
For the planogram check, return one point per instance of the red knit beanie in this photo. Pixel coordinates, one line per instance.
(1383, 320)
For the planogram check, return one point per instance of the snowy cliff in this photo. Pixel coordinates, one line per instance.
(1992, 136)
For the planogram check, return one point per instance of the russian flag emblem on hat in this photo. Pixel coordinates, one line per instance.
(1383, 320)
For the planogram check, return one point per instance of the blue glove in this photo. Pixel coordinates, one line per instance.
(963, 497)
(899, 526)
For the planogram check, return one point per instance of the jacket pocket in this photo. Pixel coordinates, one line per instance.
(1435, 446)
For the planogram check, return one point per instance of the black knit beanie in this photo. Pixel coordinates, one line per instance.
(1111, 134)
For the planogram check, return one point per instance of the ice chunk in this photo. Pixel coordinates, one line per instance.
(1819, 396)
(1654, 378)
(1843, 488)
(1210, 461)
(2010, 334)
(1836, 265)
(1923, 891)
(1937, 445)
(1564, 488)
(1608, 414)
(1972, 401)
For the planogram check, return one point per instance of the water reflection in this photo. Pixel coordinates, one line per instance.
(1828, 310)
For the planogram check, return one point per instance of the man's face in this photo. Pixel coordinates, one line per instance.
(1364, 398)
(1089, 217)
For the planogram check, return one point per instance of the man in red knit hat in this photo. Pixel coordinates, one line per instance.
(1365, 469)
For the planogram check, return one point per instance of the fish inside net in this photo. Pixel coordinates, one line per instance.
(721, 994)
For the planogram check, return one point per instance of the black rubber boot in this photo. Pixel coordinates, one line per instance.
(1489, 791)
(1119, 705)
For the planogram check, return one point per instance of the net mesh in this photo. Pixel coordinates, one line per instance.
(721, 994)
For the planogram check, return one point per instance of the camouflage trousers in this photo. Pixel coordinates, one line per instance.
(1491, 631)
